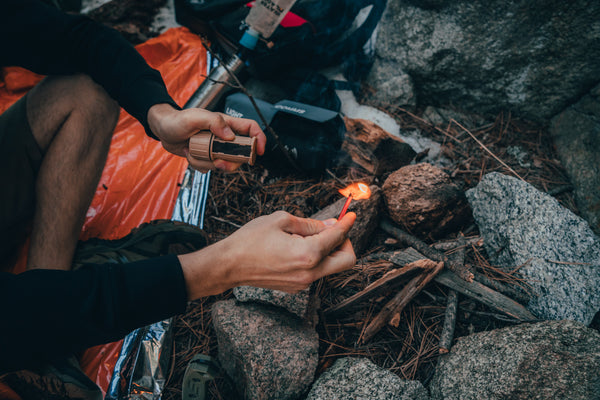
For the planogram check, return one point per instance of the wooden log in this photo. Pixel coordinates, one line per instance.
(425, 200)
(459, 268)
(485, 295)
(397, 304)
(375, 149)
(376, 287)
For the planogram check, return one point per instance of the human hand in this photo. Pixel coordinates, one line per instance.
(277, 251)
(175, 127)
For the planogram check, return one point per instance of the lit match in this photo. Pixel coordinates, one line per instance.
(346, 205)
(358, 191)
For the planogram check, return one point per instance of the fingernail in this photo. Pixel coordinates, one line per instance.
(330, 221)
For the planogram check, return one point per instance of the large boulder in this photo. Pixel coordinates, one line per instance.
(557, 252)
(269, 354)
(533, 57)
(547, 360)
(576, 134)
(359, 379)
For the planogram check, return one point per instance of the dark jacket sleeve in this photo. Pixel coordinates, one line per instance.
(47, 41)
(47, 313)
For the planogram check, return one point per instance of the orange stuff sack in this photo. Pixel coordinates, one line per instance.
(140, 181)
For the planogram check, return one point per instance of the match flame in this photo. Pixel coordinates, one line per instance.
(359, 191)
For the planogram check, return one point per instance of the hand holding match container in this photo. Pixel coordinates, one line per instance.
(207, 147)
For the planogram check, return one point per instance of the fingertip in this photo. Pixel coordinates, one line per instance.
(228, 133)
(261, 144)
(349, 218)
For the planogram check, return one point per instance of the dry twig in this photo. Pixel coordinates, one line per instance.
(397, 304)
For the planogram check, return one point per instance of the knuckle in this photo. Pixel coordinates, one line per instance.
(254, 125)
(309, 257)
(281, 216)
(187, 121)
(351, 260)
(219, 119)
(306, 278)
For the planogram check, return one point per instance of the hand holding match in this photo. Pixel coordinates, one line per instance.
(277, 251)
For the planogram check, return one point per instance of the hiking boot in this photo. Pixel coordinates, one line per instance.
(152, 239)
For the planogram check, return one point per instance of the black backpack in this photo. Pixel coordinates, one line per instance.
(318, 34)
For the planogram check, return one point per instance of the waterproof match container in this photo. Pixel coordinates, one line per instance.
(207, 147)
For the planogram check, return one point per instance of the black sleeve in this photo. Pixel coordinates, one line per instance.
(47, 313)
(47, 41)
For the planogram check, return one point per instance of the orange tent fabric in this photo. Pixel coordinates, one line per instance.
(140, 181)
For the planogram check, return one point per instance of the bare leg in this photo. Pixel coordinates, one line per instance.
(72, 119)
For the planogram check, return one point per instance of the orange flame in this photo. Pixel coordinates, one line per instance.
(359, 191)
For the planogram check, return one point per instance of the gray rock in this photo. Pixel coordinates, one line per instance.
(547, 360)
(576, 134)
(360, 379)
(533, 58)
(367, 217)
(558, 253)
(303, 304)
(268, 354)
(394, 86)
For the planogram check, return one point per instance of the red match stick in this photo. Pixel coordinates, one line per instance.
(346, 205)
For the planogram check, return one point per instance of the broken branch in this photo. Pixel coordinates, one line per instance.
(447, 334)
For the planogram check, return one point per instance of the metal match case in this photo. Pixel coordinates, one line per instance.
(205, 146)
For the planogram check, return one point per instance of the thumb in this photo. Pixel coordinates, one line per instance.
(303, 226)
(330, 238)
(309, 227)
